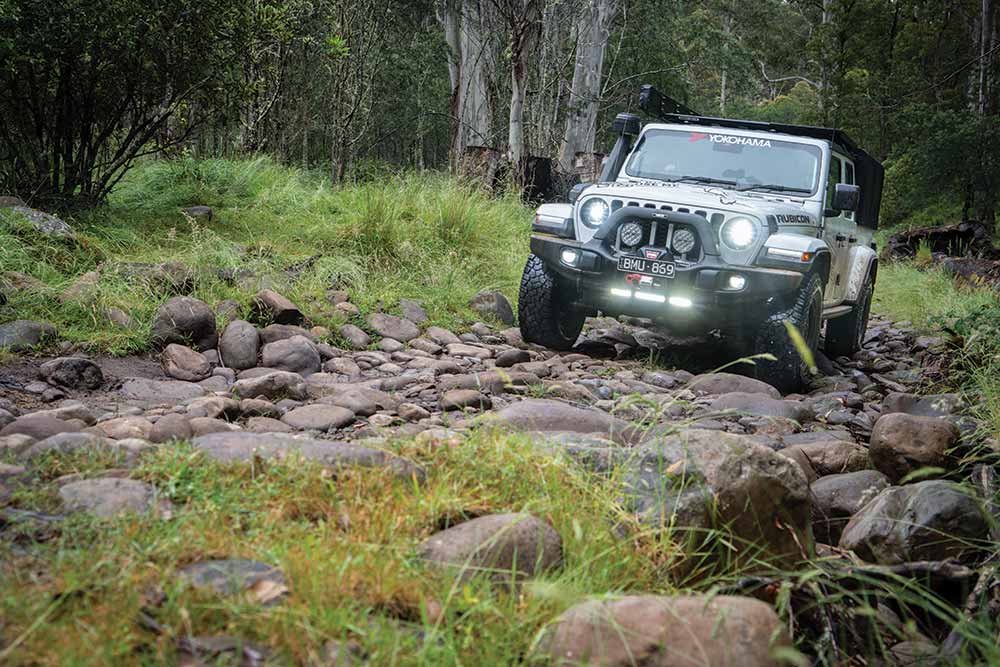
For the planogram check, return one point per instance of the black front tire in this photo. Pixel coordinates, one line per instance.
(789, 372)
(845, 335)
(543, 310)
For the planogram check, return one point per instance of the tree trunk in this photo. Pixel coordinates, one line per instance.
(592, 32)
(524, 36)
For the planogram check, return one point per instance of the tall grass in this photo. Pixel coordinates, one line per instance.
(425, 237)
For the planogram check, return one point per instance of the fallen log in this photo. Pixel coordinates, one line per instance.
(965, 239)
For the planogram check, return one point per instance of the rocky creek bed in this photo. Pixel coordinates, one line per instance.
(863, 470)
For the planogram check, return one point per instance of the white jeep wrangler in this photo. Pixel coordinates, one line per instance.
(712, 224)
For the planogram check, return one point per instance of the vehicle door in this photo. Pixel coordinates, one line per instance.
(838, 230)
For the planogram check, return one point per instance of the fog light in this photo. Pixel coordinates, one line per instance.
(680, 302)
(621, 292)
(646, 296)
(737, 282)
(570, 257)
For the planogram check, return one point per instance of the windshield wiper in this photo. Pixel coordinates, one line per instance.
(701, 179)
(772, 186)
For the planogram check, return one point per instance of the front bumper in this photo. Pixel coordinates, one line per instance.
(696, 295)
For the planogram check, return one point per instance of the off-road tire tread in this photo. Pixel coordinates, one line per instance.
(840, 332)
(787, 374)
(537, 310)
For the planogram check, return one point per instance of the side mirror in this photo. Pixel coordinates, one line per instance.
(846, 197)
(576, 191)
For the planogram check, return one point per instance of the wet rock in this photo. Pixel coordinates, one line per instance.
(393, 327)
(318, 417)
(931, 520)
(22, 335)
(233, 576)
(269, 306)
(108, 496)
(183, 363)
(935, 405)
(836, 498)
(296, 355)
(239, 345)
(491, 303)
(354, 335)
(728, 383)
(760, 405)
(413, 311)
(242, 447)
(550, 415)
(460, 399)
(185, 320)
(72, 373)
(708, 479)
(831, 457)
(660, 631)
(38, 427)
(272, 385)
(170, 427)
(497, 545)
(902, 443)
(160, 391)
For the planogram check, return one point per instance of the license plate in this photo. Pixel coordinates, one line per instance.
(648, 267)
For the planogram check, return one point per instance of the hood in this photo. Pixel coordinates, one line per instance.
(713, 198)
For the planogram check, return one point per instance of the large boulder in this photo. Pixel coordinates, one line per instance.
(931, 520)
(243, 447)
(239, 345)
(72, 373)
(661, 631)
(836, 498)
(297, 354)
(183, 363)
(549, 415)
(493, 304)
(903, 443)
(700, 480)
(185, 320)
(22, 335)
(393, 327)
(498, 545)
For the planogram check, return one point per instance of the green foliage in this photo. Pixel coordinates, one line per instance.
(421, 237)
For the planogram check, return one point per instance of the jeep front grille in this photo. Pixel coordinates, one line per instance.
(659, 234)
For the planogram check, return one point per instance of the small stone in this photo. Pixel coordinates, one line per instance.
(269, 306)
(228, 311)
(491, 303)
(170, 427)
(509, 358)
(198, 211)
(760, 405)
(232, 576)
(728, 383)
(38, 427)
(206, 425)
(267, 425)
(239, 345)
(318, 417)
(460, 399)
(464, 350)
(441, 336)
(159, 391)
(390, 345)
(272, 385)
(23, 335)
(412, 412)
(836, 498)
(123, 428)
(390, 326)
(108, 496)
(72, 373)
(831, 457)
(348, 309)
(413, 311)
(902, 443)
(297, 354)
(185, 320)
(425, 345)
(354, 335)
(83, 290)
(183, 363)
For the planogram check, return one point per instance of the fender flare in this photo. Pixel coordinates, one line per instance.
(862, 261)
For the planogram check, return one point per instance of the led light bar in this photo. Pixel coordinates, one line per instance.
(680, 302)
(646, 296)
(624, 293)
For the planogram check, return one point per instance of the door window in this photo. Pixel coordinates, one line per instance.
(849, 179)
(834, 178)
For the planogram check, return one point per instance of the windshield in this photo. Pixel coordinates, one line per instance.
(760, 163)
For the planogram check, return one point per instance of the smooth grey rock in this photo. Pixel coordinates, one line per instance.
(242, 447)
(45, 223)
(413, 311)
(831, 457)
(38, 427)
(297, 354)
(460, 399)
(550, 415)
(275, 332)
(108, 496)
(509, 358)
(170, 427)
(836, 498)
(64, 443)
(498, 545)
(183, 363)
(230, 576)
(72, 373)
(491, 303)
(930, 520)
(318, 417)
(272, 385)
(760, 405)
(122, 428)
(185, 320)
(935, 405)
(239, 345)
(354, 335)
(728, 383)
(269, 306)
(159, 391)
(441, 336)
(22, 335)
(393, 327)
(903, 443)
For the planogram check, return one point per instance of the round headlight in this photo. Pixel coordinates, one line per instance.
(683, 242)
(739, 233)
(631, 234)
(595, 212)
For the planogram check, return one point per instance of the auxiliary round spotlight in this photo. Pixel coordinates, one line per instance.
(683, 242)
(631, 234)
